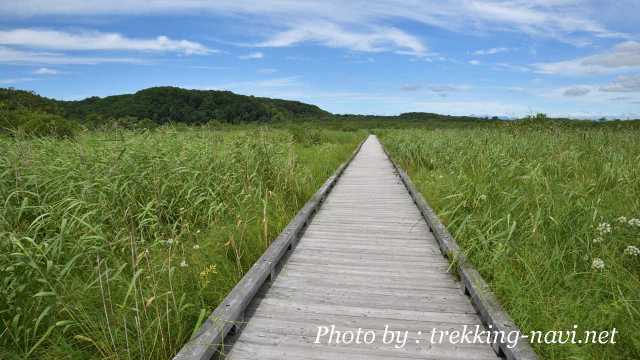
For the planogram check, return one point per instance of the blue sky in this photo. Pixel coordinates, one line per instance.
(578, 58)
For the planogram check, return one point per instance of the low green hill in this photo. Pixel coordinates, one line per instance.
(166, 104)
(12, 99)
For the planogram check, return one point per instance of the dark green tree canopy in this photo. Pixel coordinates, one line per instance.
(167, 104)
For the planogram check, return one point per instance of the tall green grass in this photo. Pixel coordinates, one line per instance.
(526, 203)
(118, 245)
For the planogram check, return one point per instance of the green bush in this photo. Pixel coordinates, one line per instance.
(308, 136)
(44, 125)
(36, 124)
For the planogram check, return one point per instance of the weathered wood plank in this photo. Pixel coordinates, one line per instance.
(367, 258)
(453, 304)
(279, 339)
(250, 350)
(371, 256)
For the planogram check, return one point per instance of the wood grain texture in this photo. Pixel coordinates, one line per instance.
(367, 259)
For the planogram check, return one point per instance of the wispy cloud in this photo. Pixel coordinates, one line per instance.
(449, 88)
(474, 62)
(492, 51)
(512, 67)
(267, 71)
(478, 108)
(623, 84)
(16, 80)
(253, 56)
(373, 39)
(624, 56)
(599, 95)
(410, 87)
(567, 21)
(92, 40)
(12, 56)
(251, 86)
(45, 71)
(577, 91)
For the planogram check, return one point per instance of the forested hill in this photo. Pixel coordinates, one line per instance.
(166, 104)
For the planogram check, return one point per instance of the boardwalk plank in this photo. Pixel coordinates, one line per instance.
(368, 259)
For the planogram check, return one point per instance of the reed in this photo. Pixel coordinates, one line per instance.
(545, 213)
(116, 246)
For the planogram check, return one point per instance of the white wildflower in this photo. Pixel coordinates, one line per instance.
(597, 264)
(622, 219)
(198, 232)
(483, 197)
(196, 247)
(598, 240)
(632, 251)
(169, 241)
(184, 263)
(604, 228)
(634, 222)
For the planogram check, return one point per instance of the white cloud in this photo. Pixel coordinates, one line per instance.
(374, 39)
(511, 67)
(253, 56)
(91, 40)
(478, 108)
(598, 96)
(474, 62)
(624, 56)
(267, 71)
(563, 20)
(207, 67)
(621, 98)
(12, 56)
(356, 25)
(623, 84)
(46, 71)
(577, 91)
(448, 88)
(250, 87)
(410, 87)
(15, 81)
(492, 51)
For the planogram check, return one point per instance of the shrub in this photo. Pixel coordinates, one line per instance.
(34, 123)
(307, 136)
(46, 125)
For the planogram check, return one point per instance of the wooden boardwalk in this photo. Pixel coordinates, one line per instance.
(367, 260)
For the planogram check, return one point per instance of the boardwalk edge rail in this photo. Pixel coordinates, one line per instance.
(482, 298)
(229, 315)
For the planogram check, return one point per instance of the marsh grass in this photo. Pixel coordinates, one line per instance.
(526, 205)
(118, 245)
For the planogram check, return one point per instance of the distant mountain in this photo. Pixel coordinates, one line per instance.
(11, 99)
(167, 104)
(159, 105)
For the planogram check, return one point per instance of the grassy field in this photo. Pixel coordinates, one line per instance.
(116, 245)
(546, 214)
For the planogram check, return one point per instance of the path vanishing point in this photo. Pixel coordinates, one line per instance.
(367, 259)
